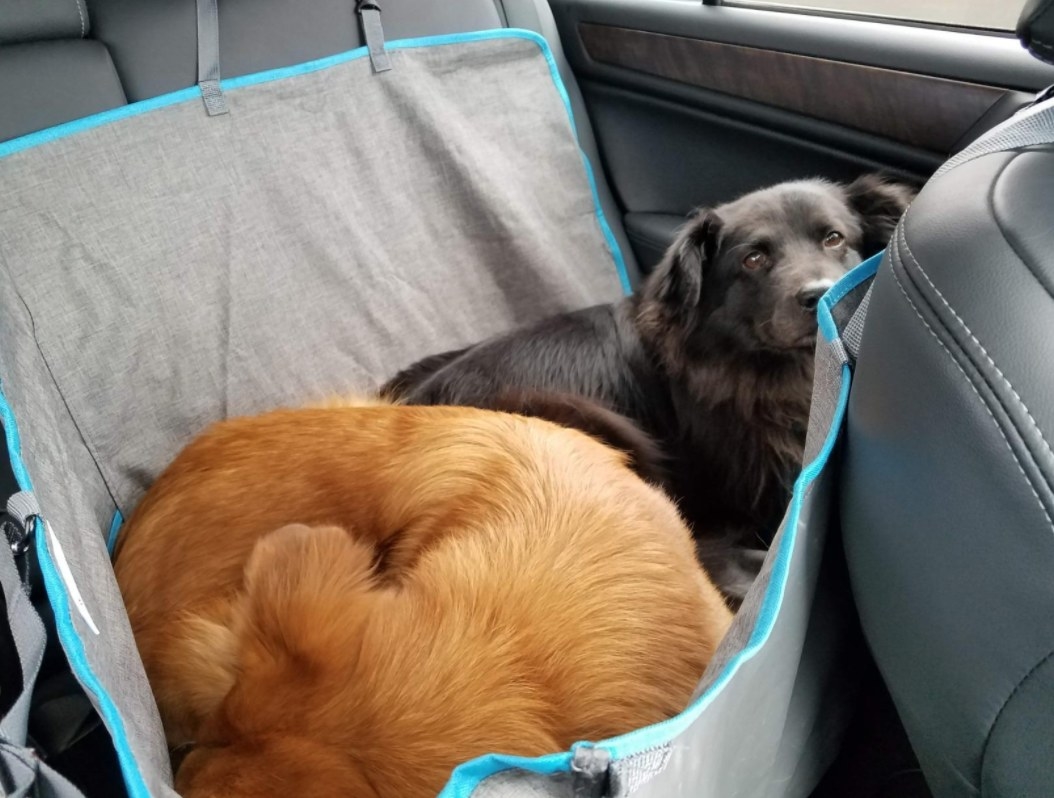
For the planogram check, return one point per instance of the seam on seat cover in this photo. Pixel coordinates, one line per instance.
(895, 254)
(1003, 706)
(1020, 402)
(58, 390)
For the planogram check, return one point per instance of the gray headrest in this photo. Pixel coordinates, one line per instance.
(1035, 28)
(36, 20)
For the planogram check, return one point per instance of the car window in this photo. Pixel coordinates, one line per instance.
(990, 14)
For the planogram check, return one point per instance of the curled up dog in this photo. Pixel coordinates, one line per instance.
(712, 357)
(401, 590)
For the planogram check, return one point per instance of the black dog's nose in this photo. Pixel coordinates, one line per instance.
(809, 297)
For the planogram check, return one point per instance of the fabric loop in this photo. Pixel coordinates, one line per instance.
(209, 58)
(23, 506)
(370, 15)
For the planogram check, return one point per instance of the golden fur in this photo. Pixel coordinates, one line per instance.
(350, 601)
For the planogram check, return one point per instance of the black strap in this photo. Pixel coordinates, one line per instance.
(16, 523)
(370, 16)
(209, 57)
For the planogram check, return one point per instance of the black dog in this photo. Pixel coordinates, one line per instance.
(712, 358)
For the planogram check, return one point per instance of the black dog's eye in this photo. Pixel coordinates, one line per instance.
(755, 260)
(834, 240)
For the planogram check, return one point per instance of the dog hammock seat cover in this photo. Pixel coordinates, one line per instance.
(151, 260)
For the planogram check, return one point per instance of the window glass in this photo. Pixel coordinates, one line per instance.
(991, 14)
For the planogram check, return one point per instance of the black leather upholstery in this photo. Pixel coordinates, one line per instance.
(50, 82)
(948, 481)
(37, 20)
(1036, 29)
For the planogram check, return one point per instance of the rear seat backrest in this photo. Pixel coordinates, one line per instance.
(57, 64)
(154, 44)
(50, 70)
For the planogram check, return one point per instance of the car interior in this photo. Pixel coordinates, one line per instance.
(945, 482)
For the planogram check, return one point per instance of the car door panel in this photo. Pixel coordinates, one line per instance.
(694, 104)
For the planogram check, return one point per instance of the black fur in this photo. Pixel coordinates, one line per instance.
(577, 412)
(712, 357)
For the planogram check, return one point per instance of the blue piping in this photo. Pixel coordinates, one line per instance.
(67, 633)
(836, 293)
(653, 736)
(115, 530)
(193, 93)
(96, 120)
(467, 776)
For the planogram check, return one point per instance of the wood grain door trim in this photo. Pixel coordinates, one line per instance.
(923, 111)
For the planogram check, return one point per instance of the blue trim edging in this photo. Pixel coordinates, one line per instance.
(836, 293)
(115, 530)
(68, 636)
(193, 93)
(661, 734)
(468, 776)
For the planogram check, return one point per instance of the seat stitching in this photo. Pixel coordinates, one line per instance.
(1050, 521)
(991, 362)
(80, 13)
(1004, 705)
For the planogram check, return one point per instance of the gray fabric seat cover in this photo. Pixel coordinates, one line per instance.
(166, 270)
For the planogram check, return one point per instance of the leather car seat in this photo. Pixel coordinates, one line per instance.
(947, 497)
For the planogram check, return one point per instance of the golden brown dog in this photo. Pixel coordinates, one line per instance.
(350, 601)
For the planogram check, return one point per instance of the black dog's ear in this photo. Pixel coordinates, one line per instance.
(677, 281)
(879, 202)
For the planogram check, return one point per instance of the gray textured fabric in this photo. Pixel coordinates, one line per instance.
(520, 784)
(75, 500)
(208, 27)
(21, 771)
(291, 250)
(168, 270)
(853, 334)
(773, 728)
(628, 775)
(1031, 127)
